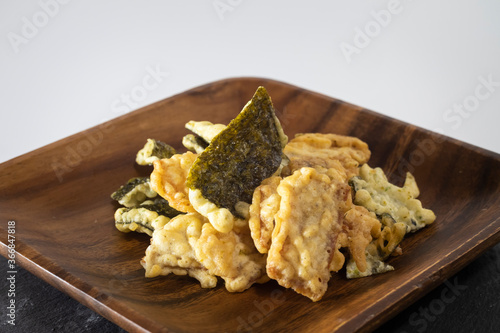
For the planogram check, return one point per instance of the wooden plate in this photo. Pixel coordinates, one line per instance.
(59, 197)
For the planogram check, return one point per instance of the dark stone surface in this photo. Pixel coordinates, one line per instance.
(467, 302)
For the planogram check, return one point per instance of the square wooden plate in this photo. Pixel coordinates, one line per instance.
(59, 196)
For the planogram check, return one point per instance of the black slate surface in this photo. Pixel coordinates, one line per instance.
(467, 302)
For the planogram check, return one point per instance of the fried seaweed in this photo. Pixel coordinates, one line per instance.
(194, 143)
(154, 150)
(134, 192)
(150, 215)
(372, 190)
(240, 157)
(161, 206)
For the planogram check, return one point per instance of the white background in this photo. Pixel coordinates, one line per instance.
(66, 66)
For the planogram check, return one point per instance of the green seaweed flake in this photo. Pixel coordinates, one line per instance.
(134, 192)
(154, 150)
(161, 206)
(248, 151)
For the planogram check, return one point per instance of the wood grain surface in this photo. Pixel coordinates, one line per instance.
(59, 196)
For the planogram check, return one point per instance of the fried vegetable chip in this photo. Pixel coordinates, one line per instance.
(373, 191)
(134, 192)
(240, 157)
(168, 179)
(154, 150)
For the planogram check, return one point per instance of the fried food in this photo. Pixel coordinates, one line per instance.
(189, 244)
(265, 204)
(240, 157)
(154, 150)
(194, 143)
(231, 256)
(221, 218)
(250, 206)
(307, 225)
(325, 150)
(172, 250)
(205, 129)
(169, 177)
(134, 192)
(150, 215)
(361, 227)
(373, 191)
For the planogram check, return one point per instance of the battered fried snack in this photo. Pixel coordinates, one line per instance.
(265, 205)
(139, 219)
(194, 143)
(172, 250)
(360, 227)
(231, 256)
(168, 179)
(154, 150)
(259, 207)
(324, 150)
(189, 244)
(205, 129)
(386, 242)
(373, 191)
(134, 192)
(307, 226)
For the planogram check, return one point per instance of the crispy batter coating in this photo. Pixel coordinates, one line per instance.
(168, 179)
(361, 227)
(172, 250)
(265, 204)
(221, 218)
(307, 225)
(326, 150)
(189, 244)
(374, 192)
(205, 129)
(231, 256)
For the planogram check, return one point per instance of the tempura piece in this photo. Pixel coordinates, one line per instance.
(205, 129)
(315, 149)
(385, 244)
(139, 219)
(265, 204)
(172, 250)
(194, 143)
(231, 256)
(150, 215)
(307, 226)
(361, 227)
(189, 244)
(168, 179)
(373, 191)
(154, 150)
(134, 192)
(221, 218)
